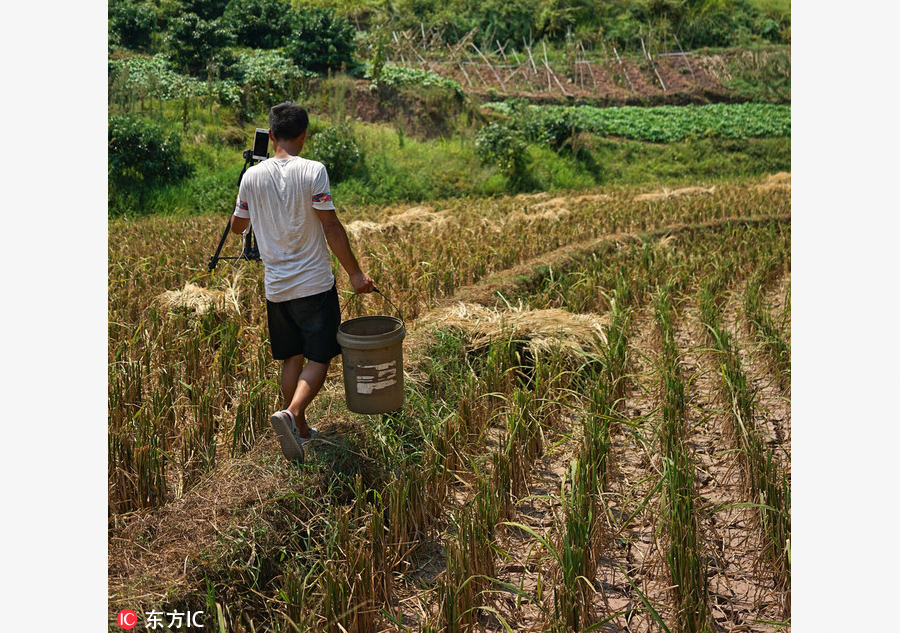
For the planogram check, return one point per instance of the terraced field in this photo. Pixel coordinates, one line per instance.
(596, 432)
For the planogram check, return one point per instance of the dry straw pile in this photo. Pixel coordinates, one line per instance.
(195, 299)
(540, 330)
(667, 194)
(776, 182)
(419, 216)
(549, 209)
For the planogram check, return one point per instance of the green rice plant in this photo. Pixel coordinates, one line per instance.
(356, 577)
(570, 591)
(499, 370)
(474, 411)
(595, 447)
(296, 592)
(578, 546)
(198, 445)
(150, 461)
(615, 352)
(684, 555)
(765, 479)
(762, 323)
(251, 418)
(522, 440)
(463, 586)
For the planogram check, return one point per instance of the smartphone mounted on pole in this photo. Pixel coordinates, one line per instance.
(260, 145)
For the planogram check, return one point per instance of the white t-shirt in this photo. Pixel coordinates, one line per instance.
(281, 195)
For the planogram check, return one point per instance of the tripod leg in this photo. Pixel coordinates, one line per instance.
(215, 258)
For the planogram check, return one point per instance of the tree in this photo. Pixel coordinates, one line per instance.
(131, 24)
(260, 23)
(206, 9)
(193, 42)
(321, 41)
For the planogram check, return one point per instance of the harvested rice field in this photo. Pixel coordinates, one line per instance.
(595, 436)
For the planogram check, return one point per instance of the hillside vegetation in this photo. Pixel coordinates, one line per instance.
(396, 94)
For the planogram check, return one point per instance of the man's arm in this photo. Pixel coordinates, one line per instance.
(339, 244)
(239, 223)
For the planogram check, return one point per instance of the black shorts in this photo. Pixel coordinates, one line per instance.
(306, 326)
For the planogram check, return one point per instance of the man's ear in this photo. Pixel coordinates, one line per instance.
(271, 136)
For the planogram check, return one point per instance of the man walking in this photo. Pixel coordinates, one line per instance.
(287, 199)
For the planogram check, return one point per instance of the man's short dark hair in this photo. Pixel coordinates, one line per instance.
(288, 120)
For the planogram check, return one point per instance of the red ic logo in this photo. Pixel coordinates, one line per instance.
(127, 619)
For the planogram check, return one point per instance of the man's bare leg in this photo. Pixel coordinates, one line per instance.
(300, 382)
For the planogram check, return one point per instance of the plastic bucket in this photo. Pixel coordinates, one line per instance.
(372, 354)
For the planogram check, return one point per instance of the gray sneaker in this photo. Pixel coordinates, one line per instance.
(288, 436)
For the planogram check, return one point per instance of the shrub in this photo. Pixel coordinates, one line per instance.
(321, 41)
(260, 23)
(556, 128)
(502, 147)
(141, 156)
(337, 149)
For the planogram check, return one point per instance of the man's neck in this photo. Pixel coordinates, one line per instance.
(289, 148)
(286, 152)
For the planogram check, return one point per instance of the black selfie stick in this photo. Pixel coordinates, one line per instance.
(250, 252)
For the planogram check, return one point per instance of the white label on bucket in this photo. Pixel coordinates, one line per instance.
(370, 378)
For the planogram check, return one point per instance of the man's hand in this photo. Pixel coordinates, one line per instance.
(362, 283)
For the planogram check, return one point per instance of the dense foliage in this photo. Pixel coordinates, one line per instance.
(259, 23)
(195, 44)
(266, 77)
(141, 155)
(321, 41)
(131, 24)
(696, 23)
(503, 147)
(337, 149)
(325, 33)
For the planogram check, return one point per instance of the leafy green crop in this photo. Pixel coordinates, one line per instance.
(141, 77)
(400, 76)
(660, 124)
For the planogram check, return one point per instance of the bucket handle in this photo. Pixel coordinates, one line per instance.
(355, 295)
